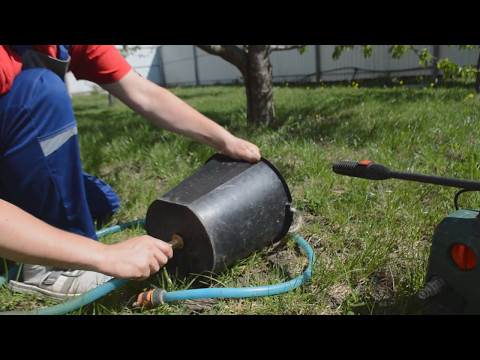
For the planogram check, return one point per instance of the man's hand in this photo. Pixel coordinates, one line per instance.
(136, 258)
(240, 149)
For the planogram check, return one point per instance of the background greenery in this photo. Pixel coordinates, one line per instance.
(371, 238)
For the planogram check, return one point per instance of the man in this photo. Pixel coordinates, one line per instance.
(47, 203)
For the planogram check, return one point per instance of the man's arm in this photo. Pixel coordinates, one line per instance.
(24, 238)
(169, 112)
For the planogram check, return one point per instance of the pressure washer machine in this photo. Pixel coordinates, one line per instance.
(452, 282)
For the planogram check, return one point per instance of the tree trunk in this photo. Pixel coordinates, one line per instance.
(256, 68)
(259, 85)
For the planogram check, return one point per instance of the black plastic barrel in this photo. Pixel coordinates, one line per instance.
(224, 212)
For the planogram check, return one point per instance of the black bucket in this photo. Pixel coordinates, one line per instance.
(224, 212)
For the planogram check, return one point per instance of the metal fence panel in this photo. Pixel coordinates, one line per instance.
(213, 69)
(291, 65)
(178, 64)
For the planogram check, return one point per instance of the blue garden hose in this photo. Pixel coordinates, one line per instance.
(248, 291)
(94, 294)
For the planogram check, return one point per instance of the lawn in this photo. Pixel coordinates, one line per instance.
(371, 238)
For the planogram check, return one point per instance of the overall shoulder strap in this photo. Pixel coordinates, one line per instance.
(32, 58)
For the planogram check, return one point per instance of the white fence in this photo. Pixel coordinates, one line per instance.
(188, 65)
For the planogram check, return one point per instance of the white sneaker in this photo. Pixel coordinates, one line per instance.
(55, 282)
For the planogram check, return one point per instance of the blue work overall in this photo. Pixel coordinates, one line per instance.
(40, 166)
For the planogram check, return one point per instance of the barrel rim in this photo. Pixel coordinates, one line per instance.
(223, 157)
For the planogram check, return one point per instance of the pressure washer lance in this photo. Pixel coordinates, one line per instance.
(367, 169)
(153, 298)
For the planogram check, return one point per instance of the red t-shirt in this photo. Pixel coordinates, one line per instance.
(101, 64)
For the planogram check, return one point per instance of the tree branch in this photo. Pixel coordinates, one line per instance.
(231, 53)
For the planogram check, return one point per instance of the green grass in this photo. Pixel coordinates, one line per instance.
(371, 238)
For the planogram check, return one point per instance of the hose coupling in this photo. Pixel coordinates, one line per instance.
(151, 298)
